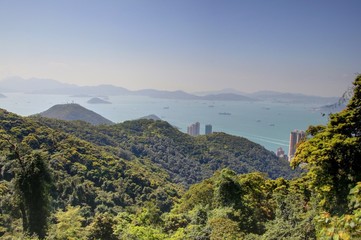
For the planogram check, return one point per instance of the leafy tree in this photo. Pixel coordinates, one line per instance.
(227, 206)
(227, 190)
(137, 225)
(32, 185)
(224, 228)
(32, 182)
(346, 226)
(102, 227)
(143, 233)
(69, 224)
(333, 155)
(294, 212)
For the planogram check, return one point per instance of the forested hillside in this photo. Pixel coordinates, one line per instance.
(72, 172)
(71, 180)
(187, 159)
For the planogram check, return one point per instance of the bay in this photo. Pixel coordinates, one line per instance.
(266, 123)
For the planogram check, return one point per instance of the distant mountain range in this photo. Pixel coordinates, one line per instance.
(292, 97)
(48, 86)
(17, 84)
(74, 111)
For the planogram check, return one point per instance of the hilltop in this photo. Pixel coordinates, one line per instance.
(72, 111)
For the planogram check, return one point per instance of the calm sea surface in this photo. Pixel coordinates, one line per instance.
(266, 123)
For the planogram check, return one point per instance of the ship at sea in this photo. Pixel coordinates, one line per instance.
(224, 113)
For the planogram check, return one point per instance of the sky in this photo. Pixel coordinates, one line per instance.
(311, 47)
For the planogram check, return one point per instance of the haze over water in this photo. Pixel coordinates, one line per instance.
(266, 123)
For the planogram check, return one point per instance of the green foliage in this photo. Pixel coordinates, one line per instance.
(143, 224)
(102, 227)
(186, 159)
(293, 210)
(332, 156)
(83, 174)
(143, 233)
(224, 228)
(227, 190)
(242, 202)
(69, 225)
(32, 183)
(346, 226)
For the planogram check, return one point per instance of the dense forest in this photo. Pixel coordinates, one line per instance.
(186, 159)
(144, 179)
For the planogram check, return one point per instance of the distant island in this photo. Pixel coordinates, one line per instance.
(72, 111)
(2, 96)
(97, 100)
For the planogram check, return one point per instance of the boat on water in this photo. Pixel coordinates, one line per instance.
(224, 113)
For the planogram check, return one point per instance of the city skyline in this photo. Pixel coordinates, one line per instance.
(310, 48)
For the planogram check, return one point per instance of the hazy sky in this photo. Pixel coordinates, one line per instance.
(308, 46)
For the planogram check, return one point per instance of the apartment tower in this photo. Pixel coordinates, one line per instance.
(295, 137)
(194, 129)
(208, 129)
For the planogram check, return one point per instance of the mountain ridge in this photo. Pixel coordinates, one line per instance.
(49, 86)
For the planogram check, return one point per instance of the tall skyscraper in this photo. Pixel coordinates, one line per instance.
(208, 129)
(295, 137)
(194, 129)
(197, 128)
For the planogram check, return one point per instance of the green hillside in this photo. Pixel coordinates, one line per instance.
(81, 173)
(109, 169)
(187, 159)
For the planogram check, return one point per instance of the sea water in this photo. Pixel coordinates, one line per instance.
(266, 123)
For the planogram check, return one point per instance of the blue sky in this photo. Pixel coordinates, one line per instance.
(312, 47)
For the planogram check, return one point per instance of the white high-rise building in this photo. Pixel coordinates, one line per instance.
(295, 137)
(194, 129)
